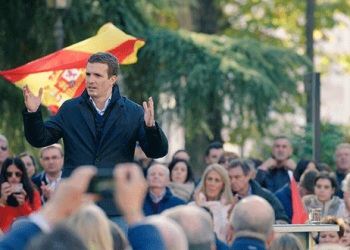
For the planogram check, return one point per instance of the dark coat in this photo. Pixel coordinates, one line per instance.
(38, 178)
(167, 202)
(280, 214)
(284, 194)
(86, 142)
(248, 244)
(273, 179)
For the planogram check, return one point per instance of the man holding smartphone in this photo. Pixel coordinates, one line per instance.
(98, 128)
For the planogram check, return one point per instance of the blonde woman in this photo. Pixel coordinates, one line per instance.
(92, 225)
(214, 192)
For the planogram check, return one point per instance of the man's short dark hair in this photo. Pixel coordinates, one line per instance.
(307, 180)
(244, 165)
(215, 144)
(106, 58)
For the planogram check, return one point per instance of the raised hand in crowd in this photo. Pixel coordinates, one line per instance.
(290, 164)
(270, 163)
(31, 101)
(6, 191)
(69, 195)
(21, 198)
(47, 190)
(130, 191)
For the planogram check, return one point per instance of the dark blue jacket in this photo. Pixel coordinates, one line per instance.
(340, 178)
(284, 194)
(140, 237)
(280, 213)
(168, 201)
(248, 244)
(88, 142)
(273, 179)
(38, 178)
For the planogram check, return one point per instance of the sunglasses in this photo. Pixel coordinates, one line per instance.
(10, 174)
(223, 160)
(4, 148)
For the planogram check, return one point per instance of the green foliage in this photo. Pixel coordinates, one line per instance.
(331, 136)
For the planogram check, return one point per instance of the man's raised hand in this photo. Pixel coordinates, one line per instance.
(149, 112)
(32, 102)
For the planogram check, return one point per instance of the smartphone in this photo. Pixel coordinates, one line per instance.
(103, 183)
(17, 188)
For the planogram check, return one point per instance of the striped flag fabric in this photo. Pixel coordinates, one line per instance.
(299, 214)
(62, 74)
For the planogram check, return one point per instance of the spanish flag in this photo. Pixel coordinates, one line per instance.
(62, 74)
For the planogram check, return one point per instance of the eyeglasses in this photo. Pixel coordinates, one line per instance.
(223, 160)
(4, 148)
(17, 174)
(54, 158)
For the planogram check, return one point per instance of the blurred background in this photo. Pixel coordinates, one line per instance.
(234, 71)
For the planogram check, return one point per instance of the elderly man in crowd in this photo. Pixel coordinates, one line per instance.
(242, 185)
(273, 173)
(342, 162)
(159, 197)
(252, 223)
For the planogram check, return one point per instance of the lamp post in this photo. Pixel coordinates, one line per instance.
(60, 6)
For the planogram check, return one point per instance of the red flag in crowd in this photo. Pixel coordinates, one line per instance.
(299, 214)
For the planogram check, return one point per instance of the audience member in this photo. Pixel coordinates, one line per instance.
(197, 224)
(61, 237)
(342, 162)
(273, 173)
(18, 195)
(182, 154)
(92, 225)
(172, 233)
(51, 158)
(325, 187)
(302, 165)
(252, 222)
(159, 196)
(334, 236)
(242, 186)
(215, 193)
(226, 157)
(4, 149)
(345, 186)
(30, 164)
(286, 241)
(181, 182)
(213, 152)
(323, 167)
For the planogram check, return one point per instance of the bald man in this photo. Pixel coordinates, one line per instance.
(159, 196)
(197, 224)
(252, 222)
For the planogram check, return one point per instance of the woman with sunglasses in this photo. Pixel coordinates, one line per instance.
(16, 200)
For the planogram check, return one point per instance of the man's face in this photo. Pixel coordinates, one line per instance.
(4, 152)
(214, 155)
(51, 160)
(157, 177)
(342, 159)
(239, 181)
(281, 149)
(98, 84)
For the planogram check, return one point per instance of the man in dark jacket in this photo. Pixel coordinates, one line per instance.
(100, 127)
(159, 197)
(242, 185)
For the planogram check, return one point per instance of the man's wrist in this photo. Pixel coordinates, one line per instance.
(151, 126)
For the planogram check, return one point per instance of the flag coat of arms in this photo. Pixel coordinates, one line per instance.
(62, 74)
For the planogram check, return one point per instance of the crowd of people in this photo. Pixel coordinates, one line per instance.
(148, 204)
(233, 205)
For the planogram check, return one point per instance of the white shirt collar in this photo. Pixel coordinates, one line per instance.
(99, 111)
